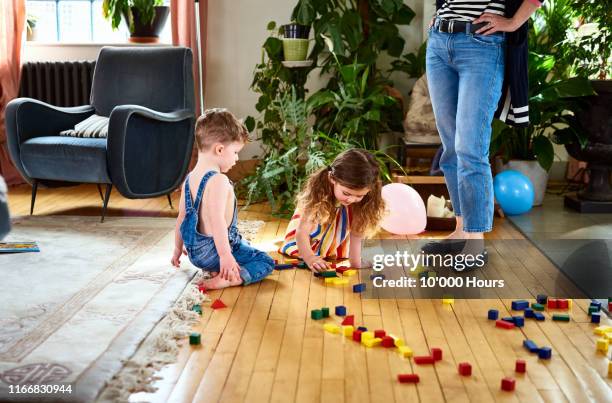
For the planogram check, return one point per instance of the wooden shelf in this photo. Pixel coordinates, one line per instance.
(419, 179)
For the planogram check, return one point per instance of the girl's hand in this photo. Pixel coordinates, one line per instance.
(316, 263)
(496, 23)
(229, 269)
(176, 256)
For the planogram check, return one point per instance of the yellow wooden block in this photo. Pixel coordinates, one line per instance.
(398, 342)
(367, 336)
(348, 330)
(610, 369)
(371, 342)
(349, 273)
(340, 281)
(405, 351)
(602, 345)
(448, 301)
(569, 304)
(332, 328)
(601, 330)
(608, 336)
(329, 280)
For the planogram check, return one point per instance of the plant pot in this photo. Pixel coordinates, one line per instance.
(296, 31)
(295, 49)
(142, 32)
(532, 170)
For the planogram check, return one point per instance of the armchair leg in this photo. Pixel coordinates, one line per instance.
(100, 191)
(109, 187)
(170, 201)
(34, 189)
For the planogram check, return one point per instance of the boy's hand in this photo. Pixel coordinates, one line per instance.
(176, 256)
(316, 263)
(229, 269)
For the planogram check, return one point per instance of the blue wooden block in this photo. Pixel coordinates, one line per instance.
(541, 299)
(341, 310)
(595, 317)
(544, 353)
(519, 321)
(539, 316)
(520, 305)
(529, 313)
(508, 319)
(530, 345)
(493, 314)
(359, 287)
(362, 329)
(597, 304)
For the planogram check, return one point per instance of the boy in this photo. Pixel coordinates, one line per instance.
(208, 205)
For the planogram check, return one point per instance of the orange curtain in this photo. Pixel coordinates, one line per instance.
(12, 21)
(184, 33)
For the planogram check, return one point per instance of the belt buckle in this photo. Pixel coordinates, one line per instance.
(451, 26)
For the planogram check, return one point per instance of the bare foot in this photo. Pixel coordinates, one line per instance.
(218, 282)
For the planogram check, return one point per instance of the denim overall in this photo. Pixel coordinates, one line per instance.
(254, 264)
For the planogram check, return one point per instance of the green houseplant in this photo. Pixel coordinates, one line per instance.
(31, 27)
(145, 18)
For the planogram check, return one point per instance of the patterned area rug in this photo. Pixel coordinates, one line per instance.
(75, 312)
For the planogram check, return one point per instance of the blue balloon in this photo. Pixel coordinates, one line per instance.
(514, 192)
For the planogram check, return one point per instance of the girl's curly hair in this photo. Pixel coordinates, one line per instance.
(356, 169)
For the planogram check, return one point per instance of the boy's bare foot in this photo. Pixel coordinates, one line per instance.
(218, 282)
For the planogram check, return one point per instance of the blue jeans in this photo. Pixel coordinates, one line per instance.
(254, 264)
(465, 74)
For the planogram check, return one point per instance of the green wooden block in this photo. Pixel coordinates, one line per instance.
(561, 317)
(329, 273)
(195, 339)
(197, 308)
(537, 307)
(325, 312)
(593, 309)
(316, 314)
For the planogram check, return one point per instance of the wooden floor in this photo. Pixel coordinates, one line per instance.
(264, 346)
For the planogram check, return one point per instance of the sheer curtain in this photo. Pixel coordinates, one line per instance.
(12, 21)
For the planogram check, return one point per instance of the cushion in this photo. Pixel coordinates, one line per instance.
(93, 127)
(70, 159)
(420, 123)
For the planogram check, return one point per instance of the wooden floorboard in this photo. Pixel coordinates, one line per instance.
(265, 348)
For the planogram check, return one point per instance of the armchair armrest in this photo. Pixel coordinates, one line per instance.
(148, 151)
(27, 118)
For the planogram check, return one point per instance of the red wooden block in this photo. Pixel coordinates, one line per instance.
(424, 359)
(436, 353)
(217, 304)
(408, 378)
(357, 335)
(349, 320)
(202, 289)
(609, 306)
(465, 369)
(387, 341)
(342, 269)
(562, 304)
(332, 265)
(552, 303)
(503, 324)
(508, 384)
(379, 334)
(521, 366)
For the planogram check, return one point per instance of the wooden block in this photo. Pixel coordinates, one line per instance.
(465, 369)
(325, 311)
(341, 281)
(340, 310)
(424, 359)
(436, 353)
(610, 369)
(348, 330)
(537, 307)
(349, 273)
(504, 325)
(387, 341)
(520, 305)
(371, 342)
(357, 335)
(520, 366)
(531, 346)
(359, 287)
(508, 384)
(329, 280)
(602, 345)
(561, 317)
(562, 304)
(539, 316)
(195, 339)
(398, 342)
(408, 378)
(316, 314)
(493, 314)
(601, 330)
(552, 303)
(544, 353)
(596, 317)
(328, 273)
(331, 328)
(405, 351)
(367, 335)
(448, 301)
(379, 333)
(541, 299)
(349, 320)
(217, 304)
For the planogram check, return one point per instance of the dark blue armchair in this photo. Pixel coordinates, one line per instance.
(147, 94)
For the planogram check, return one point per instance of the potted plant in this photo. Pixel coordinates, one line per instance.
(31, 32)
(145, 18)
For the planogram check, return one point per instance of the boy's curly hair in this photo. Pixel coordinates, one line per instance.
(218, 125)
(356, 169)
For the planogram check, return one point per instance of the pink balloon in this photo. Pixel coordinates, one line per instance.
(405, 210)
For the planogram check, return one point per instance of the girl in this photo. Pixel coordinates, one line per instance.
(340, 204)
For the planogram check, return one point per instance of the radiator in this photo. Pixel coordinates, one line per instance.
(57, 83)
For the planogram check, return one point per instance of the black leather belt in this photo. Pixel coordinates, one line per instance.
(452, 27)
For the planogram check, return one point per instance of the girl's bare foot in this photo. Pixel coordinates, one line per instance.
(219, 282)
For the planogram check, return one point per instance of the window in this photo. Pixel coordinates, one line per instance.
(78, 21)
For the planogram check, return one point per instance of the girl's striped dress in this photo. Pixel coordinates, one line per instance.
(331, 241)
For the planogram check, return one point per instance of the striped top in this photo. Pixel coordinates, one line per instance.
(469, 10)
(330, 241)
